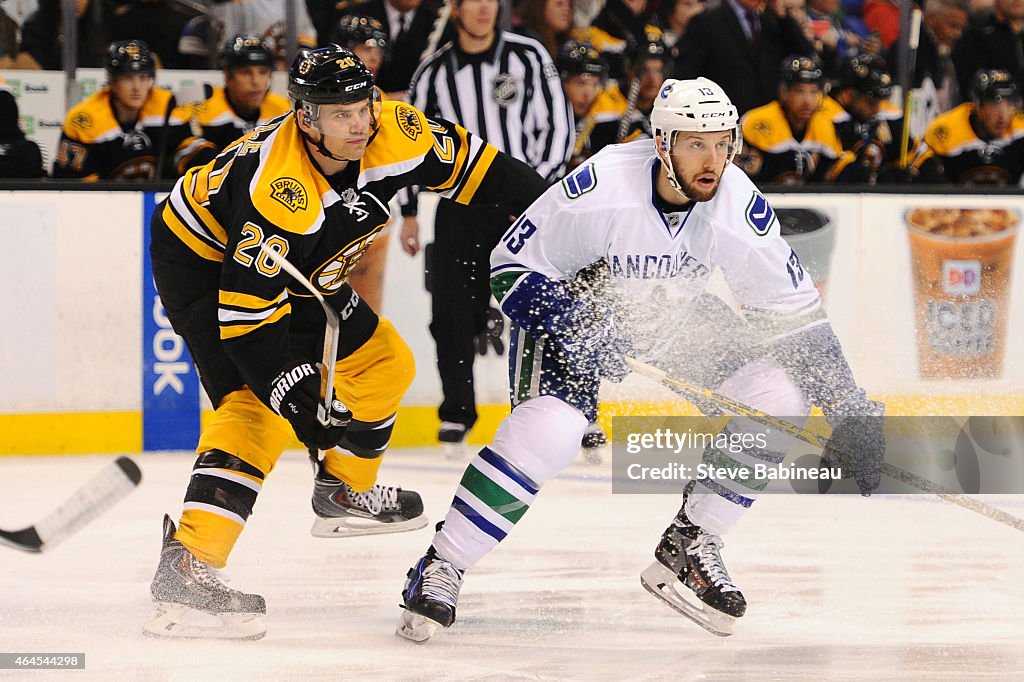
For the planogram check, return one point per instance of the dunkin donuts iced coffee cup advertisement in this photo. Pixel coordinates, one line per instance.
(962, 261)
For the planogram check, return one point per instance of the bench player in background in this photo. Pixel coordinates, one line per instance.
(314, 186)
(245, 100)
(129, 130)
(678, 202)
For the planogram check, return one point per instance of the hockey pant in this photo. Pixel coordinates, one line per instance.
(241, 443)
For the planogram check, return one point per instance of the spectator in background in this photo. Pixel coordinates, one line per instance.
(19, 157)
(673, 18)
(616, 31)
(157, 22)
(980, 142)
(549, 22)
(261, 17)
(129, 130)
(791, 141)
(739, 45)
(836, 38)
(992, 42)
(245, 100)
(943, 24)
(649, 66)
(366, 38)
(408, 24)
(883, 17)
(42, 37)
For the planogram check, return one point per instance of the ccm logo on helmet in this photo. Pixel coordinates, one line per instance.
(714, 114)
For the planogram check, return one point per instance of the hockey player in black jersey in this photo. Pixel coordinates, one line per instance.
(128, 130)
(313, 185)
(980, 142)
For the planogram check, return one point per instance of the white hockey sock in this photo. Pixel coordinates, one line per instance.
(532, 446)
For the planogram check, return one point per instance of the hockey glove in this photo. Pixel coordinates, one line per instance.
(491, 335)
(857, 443)
(295, 395)
(591, 341)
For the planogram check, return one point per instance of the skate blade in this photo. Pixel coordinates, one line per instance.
(662, 583)
(174, 621)
(354, 526)
(416, 628)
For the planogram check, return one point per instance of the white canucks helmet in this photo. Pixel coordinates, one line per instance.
(698, 105)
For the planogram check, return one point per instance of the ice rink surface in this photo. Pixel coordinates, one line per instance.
(840, 588)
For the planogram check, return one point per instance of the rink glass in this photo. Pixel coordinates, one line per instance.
(961, 262)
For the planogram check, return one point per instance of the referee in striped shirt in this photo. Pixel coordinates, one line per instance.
(506, 89)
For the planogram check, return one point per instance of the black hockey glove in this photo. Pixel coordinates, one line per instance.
(857, 443)
(295, 395)
(591, 341)
(491, 335)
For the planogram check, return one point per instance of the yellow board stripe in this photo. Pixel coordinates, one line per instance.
(476, 177)
(416, 426)
(235, 330)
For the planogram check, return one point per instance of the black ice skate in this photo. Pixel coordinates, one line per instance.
(429, 598)
(452, 437)
(593, 440)
(689, 576)
(342, 512)
(191, 599)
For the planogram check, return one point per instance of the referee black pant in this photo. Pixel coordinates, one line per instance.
(458, 278)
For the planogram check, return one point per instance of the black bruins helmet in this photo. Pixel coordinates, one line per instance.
(329, 75)
(651, 47)
(800, 69)
(867, 74)
(353, 29)
(129, 56)
(247, 49)
(994, 85)
(576, 57)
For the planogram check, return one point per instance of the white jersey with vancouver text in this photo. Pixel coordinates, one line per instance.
(658, 262)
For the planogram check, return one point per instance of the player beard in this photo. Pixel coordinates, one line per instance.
(695, 192)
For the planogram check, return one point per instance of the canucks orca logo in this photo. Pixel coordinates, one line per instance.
(580, 181)
(760, 215)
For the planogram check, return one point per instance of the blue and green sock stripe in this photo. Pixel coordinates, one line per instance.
(493, 495)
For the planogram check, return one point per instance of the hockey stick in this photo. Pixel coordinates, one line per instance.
(634, 95)
(692, 392)
(436, 31)
(101, 492)
(915, 36)
(330, 353)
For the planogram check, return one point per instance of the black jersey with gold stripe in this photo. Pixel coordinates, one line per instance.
(966, 158)
(218, 121)
(771, 153)
(265, 190)
(94, 146)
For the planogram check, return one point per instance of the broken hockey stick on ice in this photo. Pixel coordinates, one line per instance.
(330, 353)
(704, 395)
(104, 490)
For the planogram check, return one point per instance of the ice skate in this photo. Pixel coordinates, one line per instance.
(342, 512)
(594, 439)
(689, 576)
(192, 602)
(452, 437)
(429, 598)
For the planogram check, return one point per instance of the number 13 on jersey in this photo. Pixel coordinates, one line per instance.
(521, 230)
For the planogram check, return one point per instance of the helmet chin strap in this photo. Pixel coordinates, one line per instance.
(665, 157)
(320, 145)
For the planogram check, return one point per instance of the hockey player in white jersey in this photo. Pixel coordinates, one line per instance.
(653, 219)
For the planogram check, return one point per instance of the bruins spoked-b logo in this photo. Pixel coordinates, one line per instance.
(506, 89)
(408, 121)
(289, 192)
(329, 277)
